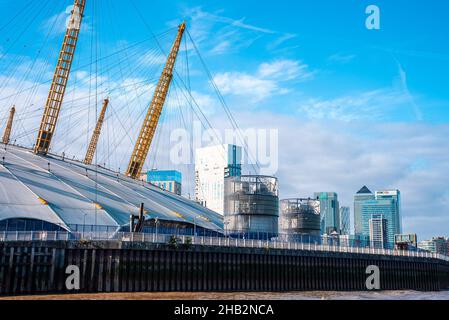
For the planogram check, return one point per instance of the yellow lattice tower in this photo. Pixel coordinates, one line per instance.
(60, 79)
(7, 133)
(148, 130)
(96, 136)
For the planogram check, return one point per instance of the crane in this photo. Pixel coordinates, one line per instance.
(7, 133)
(60, 79)
(150, 123)
(94, 141)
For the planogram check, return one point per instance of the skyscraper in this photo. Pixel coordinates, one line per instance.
(394, 218)
(362, 195)
(330, 212)
(385, 203)
(212, 166)
(378, 231)
(345, 220)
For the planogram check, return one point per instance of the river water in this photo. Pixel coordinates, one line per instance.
(384, 295)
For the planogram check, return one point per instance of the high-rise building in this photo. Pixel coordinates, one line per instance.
(385, 203)
(330, 212)
(212, 166)
(169, 180)
(345, 220)
(378, 231)
(361, 196)
(393, 215)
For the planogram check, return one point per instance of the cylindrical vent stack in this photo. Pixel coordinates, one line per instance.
(252, 206)
(300, 217)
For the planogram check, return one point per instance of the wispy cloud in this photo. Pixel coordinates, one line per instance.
(405, 89)
(240, 23)
(341, 58)
(267, 81)
(369, 105)
(219, 34)
(281, 40)
(285, 70)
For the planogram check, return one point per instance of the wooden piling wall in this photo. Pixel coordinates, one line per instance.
(40, 268)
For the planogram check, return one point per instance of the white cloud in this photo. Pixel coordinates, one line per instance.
(57, 24)
(284, 70)
(370, 105)
(267, 81)
(237, 83)
(208, 104)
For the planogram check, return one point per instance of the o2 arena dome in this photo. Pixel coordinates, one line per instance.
(51, 193)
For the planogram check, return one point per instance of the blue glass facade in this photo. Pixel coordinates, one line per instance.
(362, 195)
(169, 180)
(330, 212)
(168, 175)
(386, 204)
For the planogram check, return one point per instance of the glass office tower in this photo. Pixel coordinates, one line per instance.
(361, 196)
(382, 203)
(330, 212)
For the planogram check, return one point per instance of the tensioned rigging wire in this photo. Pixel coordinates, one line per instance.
(19, 12)
(19, 122)
(134, 83)
(88, 131)
(25, 106)
(189, 95)
(184, 124)
(3, 54)
(138, 95)
(86, 65)
(29, 14)
(18, 58)
(128, 64)
(222, 100)
(41, 73)
(35, 114)
(219, 95)
(175, 71)
(90, 64)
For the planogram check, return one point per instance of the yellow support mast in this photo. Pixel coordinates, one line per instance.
(7, 133)
(148, 130)
(60, 79)
(96, 136)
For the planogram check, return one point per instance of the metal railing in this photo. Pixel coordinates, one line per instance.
(155, 238)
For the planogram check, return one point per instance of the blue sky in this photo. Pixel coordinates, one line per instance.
(353, 106)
